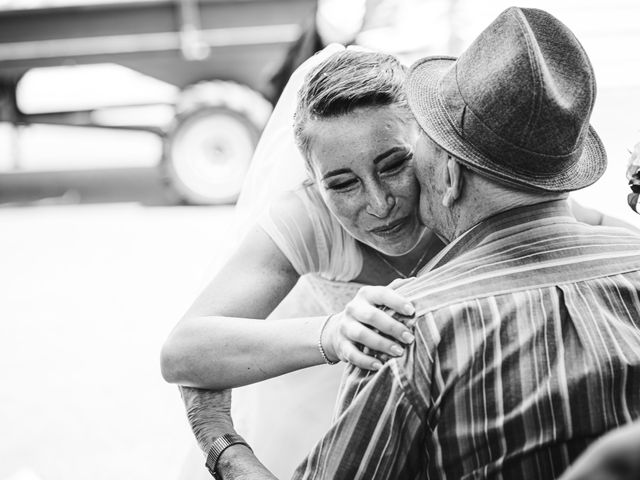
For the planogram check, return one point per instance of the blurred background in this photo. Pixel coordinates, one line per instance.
(126, 128)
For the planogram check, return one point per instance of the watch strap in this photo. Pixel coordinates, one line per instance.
(219, 445)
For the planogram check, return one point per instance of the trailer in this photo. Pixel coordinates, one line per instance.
(215, 52)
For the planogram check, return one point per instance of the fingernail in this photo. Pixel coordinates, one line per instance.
(407, 337)
(376, 365)
(409, 309)
(396, 350)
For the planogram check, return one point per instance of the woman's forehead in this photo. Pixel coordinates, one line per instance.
(356, 137)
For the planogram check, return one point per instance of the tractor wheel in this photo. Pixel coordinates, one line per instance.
(209, 147)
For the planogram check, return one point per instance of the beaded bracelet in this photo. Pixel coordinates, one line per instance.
(320, 347)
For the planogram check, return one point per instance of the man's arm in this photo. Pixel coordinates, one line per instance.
(595, 217)
(209, 416)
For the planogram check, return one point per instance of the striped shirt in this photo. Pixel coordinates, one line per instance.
(527, 349)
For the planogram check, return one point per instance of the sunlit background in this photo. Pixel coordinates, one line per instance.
(99, 253)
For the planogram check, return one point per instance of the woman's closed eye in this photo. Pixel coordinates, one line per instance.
(395, 165)
(342, 184)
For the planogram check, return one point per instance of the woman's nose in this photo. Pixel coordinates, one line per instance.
(380, 203)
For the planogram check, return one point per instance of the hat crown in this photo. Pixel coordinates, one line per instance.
(543, 97)
(516, 104)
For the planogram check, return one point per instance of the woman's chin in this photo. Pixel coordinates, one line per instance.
(398, 244)
(396, 249)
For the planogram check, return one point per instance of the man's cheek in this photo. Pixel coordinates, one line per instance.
(426, 213)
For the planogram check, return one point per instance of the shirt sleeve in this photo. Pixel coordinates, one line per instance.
(378, 433)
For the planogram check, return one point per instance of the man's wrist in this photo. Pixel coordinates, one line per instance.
(233, 458)
(215, 430)
(238, 461)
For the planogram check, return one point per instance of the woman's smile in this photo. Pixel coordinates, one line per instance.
(391, 229)
(363, 164)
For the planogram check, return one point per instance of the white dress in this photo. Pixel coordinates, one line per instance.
(282, 418)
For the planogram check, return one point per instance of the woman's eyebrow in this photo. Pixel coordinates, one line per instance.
(333, 173)
(376, 160)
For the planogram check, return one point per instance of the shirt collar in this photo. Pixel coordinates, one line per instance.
(500, 221)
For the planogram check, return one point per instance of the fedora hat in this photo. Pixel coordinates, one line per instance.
(515, 106)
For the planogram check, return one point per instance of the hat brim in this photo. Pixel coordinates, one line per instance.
(422, 93)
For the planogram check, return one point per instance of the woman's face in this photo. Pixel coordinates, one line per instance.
(363, 165)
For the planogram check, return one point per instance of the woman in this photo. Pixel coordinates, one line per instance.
(352, 225)
(353, 222)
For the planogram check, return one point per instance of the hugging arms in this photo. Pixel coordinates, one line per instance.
(364, 199)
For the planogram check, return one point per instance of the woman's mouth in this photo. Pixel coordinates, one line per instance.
(391, 228)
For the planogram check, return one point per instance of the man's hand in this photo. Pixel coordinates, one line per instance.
(209, 415)
(616, 456)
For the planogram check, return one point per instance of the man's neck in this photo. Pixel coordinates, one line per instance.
(474, 210)
(480, 231)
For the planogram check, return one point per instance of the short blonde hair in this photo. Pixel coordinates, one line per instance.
(344, 82)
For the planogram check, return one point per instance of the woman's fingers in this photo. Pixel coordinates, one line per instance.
(360, 334)
(386, 324)
(363, 324)
(387, 297)
(367, 314)
(355, 357)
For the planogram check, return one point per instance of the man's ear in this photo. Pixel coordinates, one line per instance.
(453, 182)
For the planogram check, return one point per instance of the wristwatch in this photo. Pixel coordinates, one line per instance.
(219, 445)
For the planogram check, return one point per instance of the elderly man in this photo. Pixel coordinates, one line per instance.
(528, 323)
(527, 338)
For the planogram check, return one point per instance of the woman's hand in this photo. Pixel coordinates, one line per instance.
(363, 324)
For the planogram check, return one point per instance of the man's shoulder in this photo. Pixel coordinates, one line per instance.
(520, 262)
(438, 312)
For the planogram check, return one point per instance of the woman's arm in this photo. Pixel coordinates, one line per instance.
(220, 342)
(595, 217)
(221, 351)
